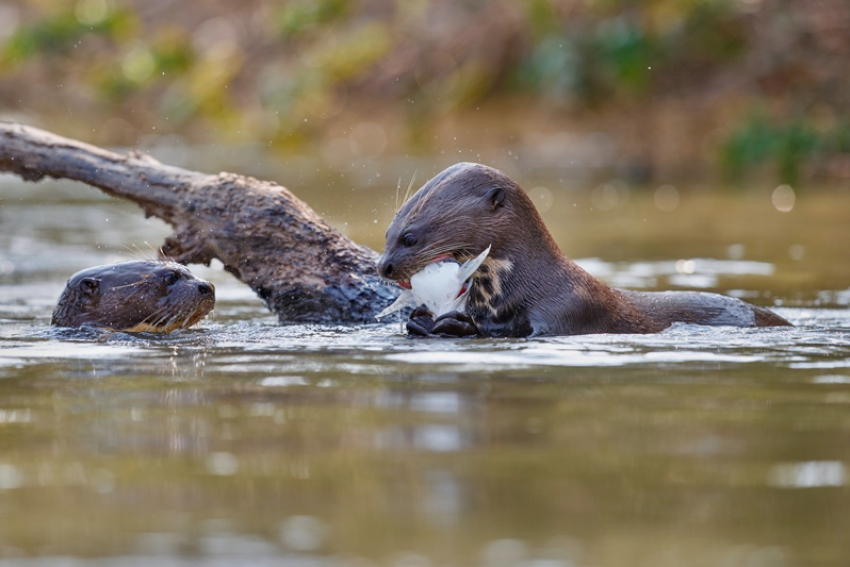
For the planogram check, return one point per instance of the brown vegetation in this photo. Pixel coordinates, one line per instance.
(680, 89)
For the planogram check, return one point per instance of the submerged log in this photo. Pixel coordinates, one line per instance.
(301, 267)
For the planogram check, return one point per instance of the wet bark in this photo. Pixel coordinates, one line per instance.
(304, 269)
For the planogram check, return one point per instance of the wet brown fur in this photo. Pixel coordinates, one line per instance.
(527, 286)
(139, 296)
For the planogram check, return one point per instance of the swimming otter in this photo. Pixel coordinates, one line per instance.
(140, 296)
(526, 286)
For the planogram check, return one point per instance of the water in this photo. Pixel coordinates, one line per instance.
(244, 442)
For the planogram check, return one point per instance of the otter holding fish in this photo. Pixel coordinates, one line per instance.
(525, 285)
(139, 296)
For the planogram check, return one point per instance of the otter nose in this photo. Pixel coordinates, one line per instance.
(205, 288)
(385, 268)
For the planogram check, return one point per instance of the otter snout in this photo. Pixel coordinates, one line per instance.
(386, 269)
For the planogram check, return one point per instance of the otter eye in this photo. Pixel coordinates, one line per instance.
(409, 240)
(171, 278)
(89, 285)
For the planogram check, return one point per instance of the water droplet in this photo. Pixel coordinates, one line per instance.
(542, 198)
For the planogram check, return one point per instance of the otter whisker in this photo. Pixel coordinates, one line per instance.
(170, 322)
(137, 285)
(156, 318)
(438, 247)
(140, 254)
(137, 290)
(409, 187)
(131, 297)
(435, 249)
(188, 318)
(182, 321)
(164, 256)
(155, 251)
(169, 318)
(192, 317)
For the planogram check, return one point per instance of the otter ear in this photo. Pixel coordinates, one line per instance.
(496, 197)
(89, 286)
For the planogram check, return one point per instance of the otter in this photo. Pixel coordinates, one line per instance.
(139, 296)
(526, 286)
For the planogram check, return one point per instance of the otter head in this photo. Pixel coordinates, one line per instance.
(457, 214)
(141, 296)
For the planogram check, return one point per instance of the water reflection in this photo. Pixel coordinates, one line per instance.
(242, 441)
(698, 273)
(810, 474)
(373, 451)
(426, 437)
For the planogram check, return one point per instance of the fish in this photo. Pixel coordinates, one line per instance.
(441, 286)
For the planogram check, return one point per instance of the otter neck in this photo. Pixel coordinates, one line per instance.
(546, 272)
(521, 290)
(513, 280)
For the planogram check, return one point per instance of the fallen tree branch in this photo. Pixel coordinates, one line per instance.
(304, 270)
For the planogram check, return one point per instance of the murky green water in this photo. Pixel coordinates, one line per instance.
(242, 442)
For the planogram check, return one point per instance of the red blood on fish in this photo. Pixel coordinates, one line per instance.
(463, 289)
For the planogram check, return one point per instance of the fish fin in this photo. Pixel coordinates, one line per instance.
(402, 301)
(470, 266)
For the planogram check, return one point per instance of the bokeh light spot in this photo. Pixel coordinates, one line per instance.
(138, 65)
(783, 198)
(91, 12)
(666, 198)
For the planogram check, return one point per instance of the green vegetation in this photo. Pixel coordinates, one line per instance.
(289, 73)
(788, 147)
(57, 33)
(621, 51)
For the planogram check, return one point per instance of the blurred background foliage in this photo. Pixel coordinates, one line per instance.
(659, 89)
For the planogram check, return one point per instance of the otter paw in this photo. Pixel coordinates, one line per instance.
(420, 323)
(455, 324)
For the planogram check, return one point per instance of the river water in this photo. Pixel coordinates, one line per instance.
(244, 442)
